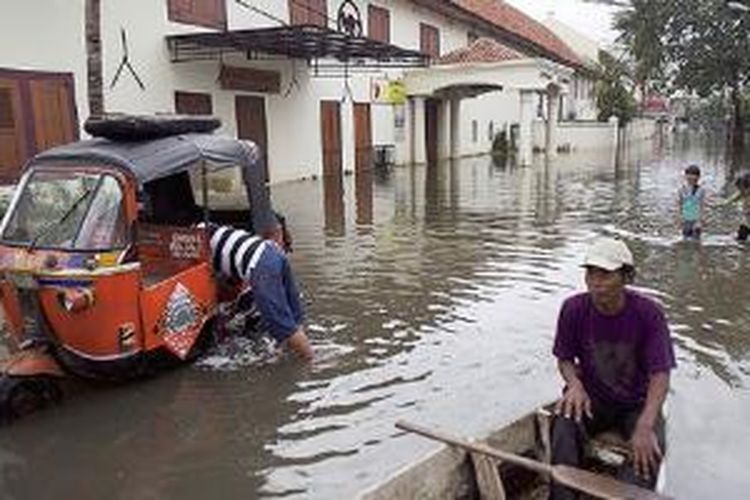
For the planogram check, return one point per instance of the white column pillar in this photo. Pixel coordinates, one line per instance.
(525, 140)
(347, 136)
(455, 107)
(553, 109)
(419, 137)
(404, 146)
(444, 130)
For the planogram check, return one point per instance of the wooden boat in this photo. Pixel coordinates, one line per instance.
(453, 472)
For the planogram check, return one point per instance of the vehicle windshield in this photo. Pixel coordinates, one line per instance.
(68, 210)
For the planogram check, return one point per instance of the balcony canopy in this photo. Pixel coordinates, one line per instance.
(298, 42)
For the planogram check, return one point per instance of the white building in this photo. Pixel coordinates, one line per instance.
(282, 73)
(580, 103)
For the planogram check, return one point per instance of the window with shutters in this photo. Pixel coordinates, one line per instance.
(429, 40)
(192, 103)
(308, 12)
(379, 24)
(208, 13)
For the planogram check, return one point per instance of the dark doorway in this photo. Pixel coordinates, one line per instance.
(333, 191)
(251, 124)
(363, 162)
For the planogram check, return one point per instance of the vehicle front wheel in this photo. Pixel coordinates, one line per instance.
(20, 396)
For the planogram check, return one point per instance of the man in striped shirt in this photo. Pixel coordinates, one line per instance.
(270, 295)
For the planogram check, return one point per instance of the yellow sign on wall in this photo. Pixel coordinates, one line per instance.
(388, 91)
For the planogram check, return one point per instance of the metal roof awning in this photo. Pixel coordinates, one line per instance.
(298, 42)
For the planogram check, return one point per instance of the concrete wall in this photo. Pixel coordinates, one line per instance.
(45, 35)
(577, 136)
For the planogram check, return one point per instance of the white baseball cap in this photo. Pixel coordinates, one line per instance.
(609, 254)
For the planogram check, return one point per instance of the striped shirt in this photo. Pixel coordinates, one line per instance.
(264, 267)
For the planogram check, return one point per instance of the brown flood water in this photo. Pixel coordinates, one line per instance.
(432, 296)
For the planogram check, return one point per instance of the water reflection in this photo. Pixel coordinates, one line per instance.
(435, 302)
(333, 205)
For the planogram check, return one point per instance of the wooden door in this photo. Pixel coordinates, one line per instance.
(432, 110)
(308, 12)
(251, 124)
(333, 189)
(362, 137)
(52, 107)
(363, 162)
(12, 130)
(330, 131)
(37, 112)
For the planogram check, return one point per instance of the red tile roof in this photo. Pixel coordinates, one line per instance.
(483, 50)
(508, 18)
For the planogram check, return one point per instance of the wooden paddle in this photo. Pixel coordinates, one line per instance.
(579, 479)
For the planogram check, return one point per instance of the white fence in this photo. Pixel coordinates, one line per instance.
(592, 135)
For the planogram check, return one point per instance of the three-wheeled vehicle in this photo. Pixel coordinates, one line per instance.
(105, 269)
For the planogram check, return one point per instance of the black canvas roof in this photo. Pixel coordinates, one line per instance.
(157, 158)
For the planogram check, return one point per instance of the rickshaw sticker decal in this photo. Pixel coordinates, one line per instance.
(185, 246)
(179, 320)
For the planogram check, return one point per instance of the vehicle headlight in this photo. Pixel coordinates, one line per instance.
(76, 299)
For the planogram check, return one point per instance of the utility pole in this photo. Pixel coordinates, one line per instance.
(94, 59)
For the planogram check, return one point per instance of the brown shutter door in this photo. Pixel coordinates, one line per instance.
(298, 12)
(52, 108)
(429, 40)
(318, 13)
(379, 24)
(209, 13)
(12, 134)
(179, 9)
(362, 137)
(330, 127)
(251, 123)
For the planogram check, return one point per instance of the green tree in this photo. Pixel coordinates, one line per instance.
(701, 46)
(709, 48)
(641, 28)
(613, 98)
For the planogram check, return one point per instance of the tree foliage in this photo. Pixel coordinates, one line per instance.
(642, 32)
(613, 98)
(702, 46)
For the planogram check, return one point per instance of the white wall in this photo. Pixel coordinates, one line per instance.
(46, 35)
(501, 108)
(580, 136)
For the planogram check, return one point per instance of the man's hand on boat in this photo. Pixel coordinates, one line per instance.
(646, 451)
(575, 402)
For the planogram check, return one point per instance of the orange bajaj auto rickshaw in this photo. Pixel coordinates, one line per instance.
(104, 263)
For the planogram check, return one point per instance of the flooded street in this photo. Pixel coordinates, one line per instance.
(432, 296)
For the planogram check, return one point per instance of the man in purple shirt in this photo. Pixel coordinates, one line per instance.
(614, 353)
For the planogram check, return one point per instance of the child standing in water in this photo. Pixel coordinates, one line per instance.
(692, 197)
(742, 183)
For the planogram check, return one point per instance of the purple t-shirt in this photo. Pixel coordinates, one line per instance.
(615, 354)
